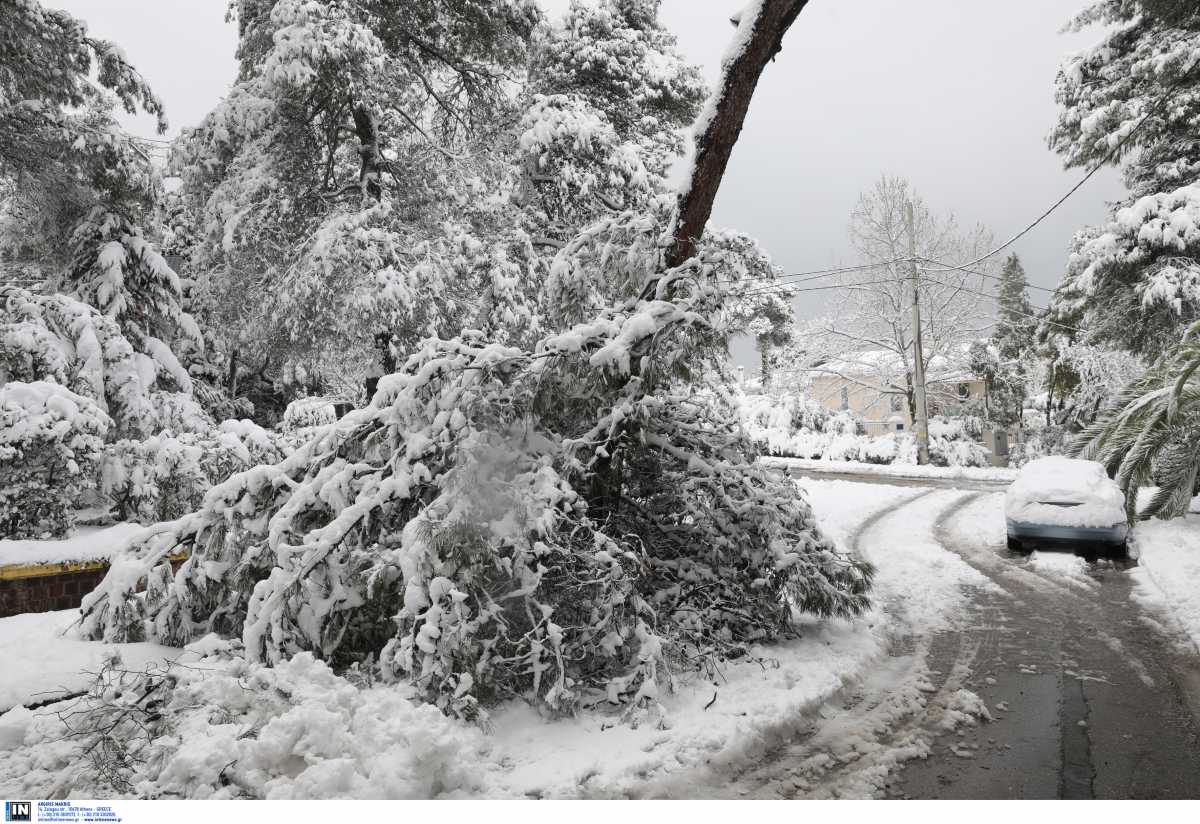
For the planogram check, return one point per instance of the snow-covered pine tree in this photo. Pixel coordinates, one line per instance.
(350, 151)
(60, 148)
(77, 189)
(1005, 364)
(1016, 321)
(564, 521)
(618, 56)
(1133, 99)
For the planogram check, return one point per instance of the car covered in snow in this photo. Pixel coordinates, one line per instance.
(1065, 500)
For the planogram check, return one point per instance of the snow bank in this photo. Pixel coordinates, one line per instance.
(1167, 577)
(900, 472)
(40, 662)
(88, 544)
(1065, 480)
(729, 720)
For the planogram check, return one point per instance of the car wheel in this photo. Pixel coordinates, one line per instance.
(1016, 545)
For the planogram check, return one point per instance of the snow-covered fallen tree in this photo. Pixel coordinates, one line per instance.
(501, 521)
(563, 521)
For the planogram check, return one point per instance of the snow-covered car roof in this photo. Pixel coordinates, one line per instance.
(1065, 492)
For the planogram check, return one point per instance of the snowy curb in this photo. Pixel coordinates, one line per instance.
(903, 472)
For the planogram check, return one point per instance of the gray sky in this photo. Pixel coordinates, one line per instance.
(956, 95)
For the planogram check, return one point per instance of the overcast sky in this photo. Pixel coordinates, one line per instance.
(956, 95)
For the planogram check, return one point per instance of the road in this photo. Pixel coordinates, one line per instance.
(1089, 699)
(823, 474)
(1087, 696)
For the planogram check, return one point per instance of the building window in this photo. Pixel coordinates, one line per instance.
(845, 397)
(900, 427)
(895, 402)
(964, 390)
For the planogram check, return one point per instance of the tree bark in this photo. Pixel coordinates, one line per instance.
(368, 151)
(714, 145)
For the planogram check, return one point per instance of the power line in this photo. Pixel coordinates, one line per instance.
(766, 290)
(966, 267)
(1039, 318)
(952, 268)
(1112, 153)
(815, 274)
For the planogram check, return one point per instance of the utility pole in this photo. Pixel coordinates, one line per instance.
(922, 421)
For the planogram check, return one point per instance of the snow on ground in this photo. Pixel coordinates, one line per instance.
(923, 581)
(1167, 578)
(756, 704)
(1065, 567)
(717, 721)
(87, 544)
(913, 471)
(39, 662)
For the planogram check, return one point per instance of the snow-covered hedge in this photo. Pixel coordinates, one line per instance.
(167, 475)
(798, 427)
(50, 442)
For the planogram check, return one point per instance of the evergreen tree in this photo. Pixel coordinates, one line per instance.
(1134, 282)
(352, 149)
(1016, 322)
(1004, 365)
(61, 151)
(79, 191)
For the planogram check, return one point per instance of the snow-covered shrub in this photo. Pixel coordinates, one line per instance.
(167, 475)
(61, 339)
(305, 413)
(887, 449)
(951, 444)
(50, 442)
(226, 728)
(842, 424)
(563, 523)
(797, 426)
(949, 452)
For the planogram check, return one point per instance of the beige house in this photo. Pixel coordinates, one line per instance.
(872, 386)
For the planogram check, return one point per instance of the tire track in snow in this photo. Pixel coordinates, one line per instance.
(854, 741)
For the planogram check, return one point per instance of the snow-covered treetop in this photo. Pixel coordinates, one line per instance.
(58, 138)
(47, 60)
(617, 54)
(1132, 282)
(1145, 67)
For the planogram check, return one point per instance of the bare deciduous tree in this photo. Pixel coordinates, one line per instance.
(867, 338)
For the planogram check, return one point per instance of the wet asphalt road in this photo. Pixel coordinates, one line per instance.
(1089, 698)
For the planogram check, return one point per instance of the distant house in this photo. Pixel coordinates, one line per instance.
(872, 386)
